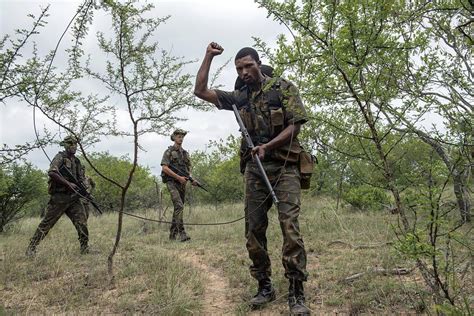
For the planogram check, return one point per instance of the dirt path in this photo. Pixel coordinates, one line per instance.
(216, 287)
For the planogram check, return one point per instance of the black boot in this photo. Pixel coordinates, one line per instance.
(265, 294)
(182, 233)
(173, 230)
(34, 242)
(31, 251)
(83, 234)
(296, 298)
(183, 236)
(84, 248)
(173, 233)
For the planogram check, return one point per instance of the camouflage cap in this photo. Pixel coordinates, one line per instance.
(68, 140)
(179, 131)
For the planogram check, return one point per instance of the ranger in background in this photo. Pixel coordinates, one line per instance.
(64, 197)
(174, 165)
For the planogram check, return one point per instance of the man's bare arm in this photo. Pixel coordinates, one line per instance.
(201, 89)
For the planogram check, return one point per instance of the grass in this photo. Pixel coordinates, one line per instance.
(152, 277)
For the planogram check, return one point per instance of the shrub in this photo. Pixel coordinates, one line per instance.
(366, 197)
(22, 190)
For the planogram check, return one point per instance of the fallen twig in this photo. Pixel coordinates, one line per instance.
(340, 242)
(378, 271)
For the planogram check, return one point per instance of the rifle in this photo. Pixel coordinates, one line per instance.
(250, 144)
(187, 176)
(82, 189)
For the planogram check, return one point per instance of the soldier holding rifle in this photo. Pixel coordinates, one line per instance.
(176, 167)
(66, 178)
(272, 112)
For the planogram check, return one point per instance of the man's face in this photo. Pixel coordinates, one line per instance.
(71, 148)
(248, 70)
(178, 139)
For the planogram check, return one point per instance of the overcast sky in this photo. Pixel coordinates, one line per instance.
(193, 24)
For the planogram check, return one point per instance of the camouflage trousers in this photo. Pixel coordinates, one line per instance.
(286, 183)
(177, 193)
(59, 204)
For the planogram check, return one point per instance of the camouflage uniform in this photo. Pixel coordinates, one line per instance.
(265, 114)
(179, 159)
(63, 201)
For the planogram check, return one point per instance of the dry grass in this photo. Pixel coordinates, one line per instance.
(156, 276)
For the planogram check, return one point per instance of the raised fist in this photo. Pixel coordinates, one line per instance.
(214, 49)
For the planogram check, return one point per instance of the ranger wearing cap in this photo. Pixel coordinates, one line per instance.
(64, 197)
(175, 165)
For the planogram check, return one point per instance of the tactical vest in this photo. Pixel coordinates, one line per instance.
(264, 123)
(74, 166)
(178, 160)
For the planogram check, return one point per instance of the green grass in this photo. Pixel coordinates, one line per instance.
(152, 277)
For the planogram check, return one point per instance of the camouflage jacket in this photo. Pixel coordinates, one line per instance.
(61, 160)
(266, 113)
(177, 158)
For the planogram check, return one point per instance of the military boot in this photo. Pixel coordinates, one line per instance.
(265, 294)
(296, 298)
(182, 233)
(84, 249)
(30, 251)
(83, 233)
(34, 241)
(183, 236)
(173, 230)
(87, 250)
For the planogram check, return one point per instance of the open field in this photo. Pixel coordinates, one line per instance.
(209, 274)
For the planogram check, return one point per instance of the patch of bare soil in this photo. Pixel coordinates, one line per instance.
(218, 298)
(216, 288)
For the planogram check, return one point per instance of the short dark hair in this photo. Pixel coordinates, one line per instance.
(247, 51)
(265, 69)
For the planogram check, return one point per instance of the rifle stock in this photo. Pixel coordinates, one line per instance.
(250, 144)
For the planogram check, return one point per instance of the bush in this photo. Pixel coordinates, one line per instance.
(366, 197)
(142, 191)
(219, 170)
(23, 189)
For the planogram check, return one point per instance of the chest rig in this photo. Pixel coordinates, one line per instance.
(262, 111)
(75, 168)
(264, 115)
(178, 159)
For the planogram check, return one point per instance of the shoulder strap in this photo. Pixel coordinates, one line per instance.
(243, 98)
(274, 94)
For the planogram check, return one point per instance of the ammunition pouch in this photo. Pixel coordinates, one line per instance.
(290, 153)
(306, 164)
(245, 156)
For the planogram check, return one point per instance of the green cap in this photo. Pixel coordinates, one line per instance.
(68, 140)
(179, 131)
